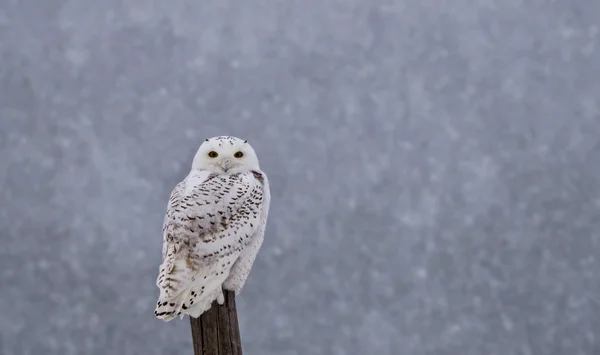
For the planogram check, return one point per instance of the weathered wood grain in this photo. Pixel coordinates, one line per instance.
(216, 332)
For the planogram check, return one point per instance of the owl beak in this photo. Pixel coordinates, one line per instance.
(226, 164)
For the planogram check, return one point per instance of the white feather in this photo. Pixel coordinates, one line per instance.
(212, 231)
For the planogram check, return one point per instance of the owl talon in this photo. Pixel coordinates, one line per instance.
(221, 298)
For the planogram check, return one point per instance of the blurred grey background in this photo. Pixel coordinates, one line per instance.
(434, 166)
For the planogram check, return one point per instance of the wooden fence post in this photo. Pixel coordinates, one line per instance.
(216, 331)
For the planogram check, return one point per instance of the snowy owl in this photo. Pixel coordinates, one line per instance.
(213, 228)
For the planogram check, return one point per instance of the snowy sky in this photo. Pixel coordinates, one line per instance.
(434, 166)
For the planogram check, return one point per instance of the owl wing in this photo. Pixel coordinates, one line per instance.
(210, 219)
(241, 269)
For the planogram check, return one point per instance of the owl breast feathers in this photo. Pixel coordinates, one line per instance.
(212, 231)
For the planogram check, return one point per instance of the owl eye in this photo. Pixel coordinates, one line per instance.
(212, 154)
(238, 154)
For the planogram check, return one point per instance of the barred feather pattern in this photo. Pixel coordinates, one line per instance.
(212, 231)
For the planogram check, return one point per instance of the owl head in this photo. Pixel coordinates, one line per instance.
(225, 155)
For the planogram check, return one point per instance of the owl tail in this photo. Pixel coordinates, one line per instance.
(182, 294)
(172, 291)
(167, 309)
(193, 302)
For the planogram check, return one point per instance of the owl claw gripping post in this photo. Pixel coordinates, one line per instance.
(213, 228)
